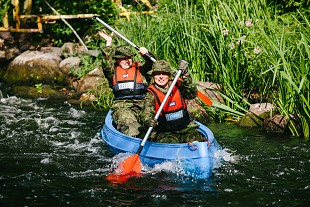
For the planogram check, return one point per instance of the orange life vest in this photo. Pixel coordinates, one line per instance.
(128, 83)
(174, 115)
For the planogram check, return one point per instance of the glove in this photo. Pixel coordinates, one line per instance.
(152, 123)
(183, 66)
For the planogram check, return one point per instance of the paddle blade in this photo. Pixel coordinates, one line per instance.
(117, 178)
(131, 164)
(121, 178)
(204, 98)
(130, 167)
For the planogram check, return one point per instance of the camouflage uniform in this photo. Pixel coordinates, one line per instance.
(125, 112)
(190, 132)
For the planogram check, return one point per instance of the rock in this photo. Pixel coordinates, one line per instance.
(96, 72)
(277, 124)
(69, 49)
(68, 64)
(11, 53)
(251, 120)
(197, 111)
(91, 81)
(87, 97)
(34, 67)
(94, 53)
(46, 91)
(257, 115)
(6, 35)
(53, 50)
(261, 108)
(1, 43)
(209, 89)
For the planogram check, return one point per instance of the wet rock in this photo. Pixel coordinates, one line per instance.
(257, 115)
(197, 111)
(34, 67)
(69, 49)
(91, 81)
(11, 53)
(277, 124)
(53, 50)
(69, 64)
(210, 89)
(251, 120)
(44, 91)
(262, 108)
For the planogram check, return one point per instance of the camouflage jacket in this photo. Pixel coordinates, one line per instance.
(187, 88)
(109, 64)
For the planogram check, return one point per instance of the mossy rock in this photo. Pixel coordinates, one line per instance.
(253, 120)
(45, 91)
(34, 67)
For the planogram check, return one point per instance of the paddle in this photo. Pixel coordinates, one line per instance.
(121, 36)
(200, 95)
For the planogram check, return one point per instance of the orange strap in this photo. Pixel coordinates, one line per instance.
(192, 146)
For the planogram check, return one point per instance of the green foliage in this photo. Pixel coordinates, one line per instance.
(5, 6)
(39, 88)
(104, 96)
(88, 63)
(242, 45)
(60, 32)
(285, 6)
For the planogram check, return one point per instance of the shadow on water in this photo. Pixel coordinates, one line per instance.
(51, 154)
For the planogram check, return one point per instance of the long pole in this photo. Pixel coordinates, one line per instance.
(121, 36)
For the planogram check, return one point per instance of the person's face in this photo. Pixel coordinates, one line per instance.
(125, 62)
(161, 79)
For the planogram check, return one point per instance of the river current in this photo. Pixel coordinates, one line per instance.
(51, 154)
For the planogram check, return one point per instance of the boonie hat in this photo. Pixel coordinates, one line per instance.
(161, 66)
(122, 52)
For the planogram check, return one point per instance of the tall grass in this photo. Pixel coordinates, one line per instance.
(242, 45)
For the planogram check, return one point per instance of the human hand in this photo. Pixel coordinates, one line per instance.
(152, 123)
(143, 50)
(183, 66)
(107, 37)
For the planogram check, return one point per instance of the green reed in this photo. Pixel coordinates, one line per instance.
(242, 45)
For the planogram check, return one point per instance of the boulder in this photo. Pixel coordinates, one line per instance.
(277, 124)
(33, 67)
(68, 64)
(209, 89)
(197, 111)
(91, 81)
(257, 115)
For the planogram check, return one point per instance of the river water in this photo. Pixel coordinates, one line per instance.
(51, 154)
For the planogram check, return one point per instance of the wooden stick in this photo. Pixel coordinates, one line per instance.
(81, 41)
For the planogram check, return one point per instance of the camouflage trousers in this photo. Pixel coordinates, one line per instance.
(126, 115)
(188, 134)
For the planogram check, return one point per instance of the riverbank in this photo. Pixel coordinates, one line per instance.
(71, 73)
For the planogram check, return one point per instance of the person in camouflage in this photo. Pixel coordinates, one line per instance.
(128, 82)
(174, 125)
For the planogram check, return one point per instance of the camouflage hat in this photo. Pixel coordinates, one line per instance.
(122, 52)
(161, 66)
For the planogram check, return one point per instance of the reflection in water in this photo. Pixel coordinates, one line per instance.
(51, 154)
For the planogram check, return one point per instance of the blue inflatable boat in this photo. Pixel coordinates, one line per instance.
(196, 159)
